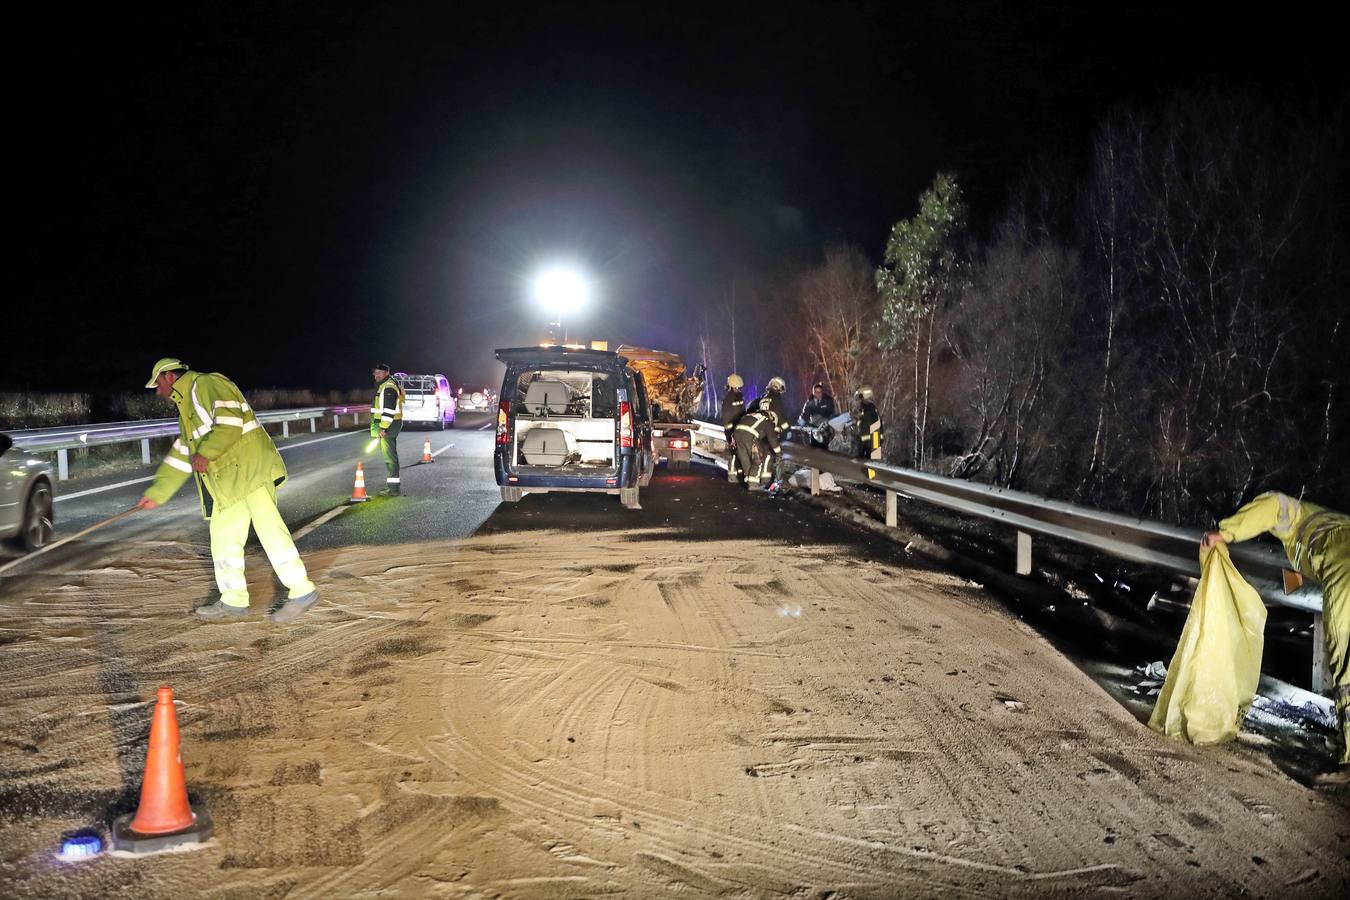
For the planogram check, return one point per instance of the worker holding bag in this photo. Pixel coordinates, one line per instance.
(1317, 543)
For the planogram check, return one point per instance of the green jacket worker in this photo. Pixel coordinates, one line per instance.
(237, 470)
(386, 421)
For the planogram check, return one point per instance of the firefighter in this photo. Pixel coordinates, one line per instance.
(238, 470)
(386, 421)
(773, 403)
(868, 420)
(1317, 543)
(756, 442)
(816, 412)
(733, 407)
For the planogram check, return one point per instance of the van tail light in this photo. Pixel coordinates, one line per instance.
(625, 424)
(678, 444)
(502, 437)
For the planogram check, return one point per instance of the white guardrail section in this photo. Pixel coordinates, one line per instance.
(63, 439)
(1145, 541)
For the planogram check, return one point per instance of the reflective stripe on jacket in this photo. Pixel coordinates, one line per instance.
(388, 406)
(215, 421)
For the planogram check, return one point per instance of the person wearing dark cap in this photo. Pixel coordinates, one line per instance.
(386, 421)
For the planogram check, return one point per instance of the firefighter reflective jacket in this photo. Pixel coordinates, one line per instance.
(772, 403)
(733, 406)
(870, 435)
(387, 408)
(760, 426)
(215, 421)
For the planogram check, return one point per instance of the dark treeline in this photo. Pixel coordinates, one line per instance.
(1163, 334)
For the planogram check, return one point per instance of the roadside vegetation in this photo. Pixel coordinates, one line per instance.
(1161, 330)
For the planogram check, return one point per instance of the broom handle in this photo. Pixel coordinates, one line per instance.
(79, 534)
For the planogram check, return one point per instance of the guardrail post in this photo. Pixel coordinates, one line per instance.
(145, 451)
(1023, 553)
(892, 514)
(337, 421)
(356, 418)
(62, 464)
(313, 425)
(815, 482)
(285, 429)
(1321, 674)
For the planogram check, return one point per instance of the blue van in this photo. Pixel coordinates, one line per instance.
(572, 419)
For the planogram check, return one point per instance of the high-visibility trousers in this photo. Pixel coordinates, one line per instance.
(229, 533)
(389, 450)
(1331, 565)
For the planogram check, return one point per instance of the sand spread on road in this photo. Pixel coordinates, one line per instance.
(575, 715)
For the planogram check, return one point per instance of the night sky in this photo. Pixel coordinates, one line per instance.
(290, 192)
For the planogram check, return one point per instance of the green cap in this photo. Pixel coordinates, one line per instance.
(167, 364)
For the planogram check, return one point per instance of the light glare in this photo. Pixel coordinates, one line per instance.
(561, 289)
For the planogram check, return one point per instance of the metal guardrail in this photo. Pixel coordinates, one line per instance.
(1144, 541)
(65, 438)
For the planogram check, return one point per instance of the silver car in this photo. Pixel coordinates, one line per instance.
(26, 509)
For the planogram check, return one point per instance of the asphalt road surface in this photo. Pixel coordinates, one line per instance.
(723, 694)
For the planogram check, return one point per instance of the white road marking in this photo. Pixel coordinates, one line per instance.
(485, 426)
(122, 484)
(442, 450)
(326, 517)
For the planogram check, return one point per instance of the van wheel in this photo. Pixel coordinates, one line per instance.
(512, 494)
(629, 497)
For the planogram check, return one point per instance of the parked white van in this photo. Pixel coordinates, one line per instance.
(427, 400)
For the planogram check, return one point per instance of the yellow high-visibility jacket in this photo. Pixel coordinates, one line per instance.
(1314, 537)
(388, 406)
(215, 421)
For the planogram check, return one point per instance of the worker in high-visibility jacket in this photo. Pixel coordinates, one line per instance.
(1317, 542)
(386, 421)
(237, 468)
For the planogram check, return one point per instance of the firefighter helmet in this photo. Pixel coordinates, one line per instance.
(735, 382)
(865, 394)
(777, 385)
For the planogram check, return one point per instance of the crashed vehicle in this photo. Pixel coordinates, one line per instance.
(675, 398)
(572, 419)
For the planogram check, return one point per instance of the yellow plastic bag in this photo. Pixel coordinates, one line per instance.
(1215, 670)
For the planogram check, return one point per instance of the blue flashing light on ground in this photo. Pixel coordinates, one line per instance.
(81, 846)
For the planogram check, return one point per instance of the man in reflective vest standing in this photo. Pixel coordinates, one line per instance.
(237, 468)
(386, 421)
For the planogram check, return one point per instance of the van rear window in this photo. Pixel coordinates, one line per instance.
(549, 393)
(419, 384)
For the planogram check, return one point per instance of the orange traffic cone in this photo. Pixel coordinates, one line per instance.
(426, 451)
(359, 489)
(164, 819)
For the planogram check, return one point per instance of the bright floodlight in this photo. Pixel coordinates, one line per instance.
(561, 289)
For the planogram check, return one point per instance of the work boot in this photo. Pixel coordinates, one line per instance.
(294, 608)
(391, 490)
(222, 612)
